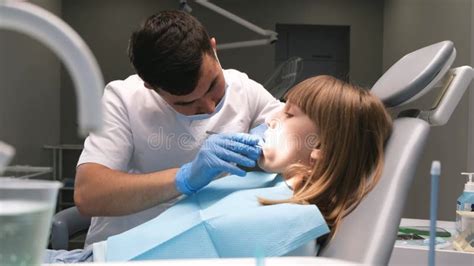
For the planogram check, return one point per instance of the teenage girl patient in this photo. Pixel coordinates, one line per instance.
(328, 142)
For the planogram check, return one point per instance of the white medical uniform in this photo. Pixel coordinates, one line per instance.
(143, 134)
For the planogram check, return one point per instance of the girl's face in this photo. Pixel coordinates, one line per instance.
(290, 138)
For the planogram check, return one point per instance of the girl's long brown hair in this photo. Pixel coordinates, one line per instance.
(353, 126)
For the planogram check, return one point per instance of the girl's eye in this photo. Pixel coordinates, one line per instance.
(288, 115)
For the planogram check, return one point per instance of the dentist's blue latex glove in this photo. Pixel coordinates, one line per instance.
(259, 131)
(218, 154)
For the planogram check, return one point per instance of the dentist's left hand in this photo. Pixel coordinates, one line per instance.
(218, 154)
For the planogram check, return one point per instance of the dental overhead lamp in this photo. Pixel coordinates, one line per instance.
(270, 35)
(54, 33)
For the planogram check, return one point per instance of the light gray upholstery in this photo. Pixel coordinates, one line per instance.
(411, 76)
(65, 224)
(368, 234)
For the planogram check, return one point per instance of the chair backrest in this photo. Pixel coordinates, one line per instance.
(365, 234)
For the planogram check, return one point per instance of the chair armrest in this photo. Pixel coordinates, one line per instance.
(66, 223)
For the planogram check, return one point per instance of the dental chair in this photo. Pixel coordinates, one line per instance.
(66, 224)
(367, 235)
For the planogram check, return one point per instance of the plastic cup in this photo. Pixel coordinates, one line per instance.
(26, 209)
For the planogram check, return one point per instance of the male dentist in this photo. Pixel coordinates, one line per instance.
(154, 145)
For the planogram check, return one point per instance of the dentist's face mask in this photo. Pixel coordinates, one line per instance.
(207, 98)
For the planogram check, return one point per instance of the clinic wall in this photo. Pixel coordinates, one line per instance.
(412, 24)
(29, 94)
(106, 25)
(364, 17)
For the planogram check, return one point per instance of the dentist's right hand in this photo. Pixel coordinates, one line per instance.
(218, 154)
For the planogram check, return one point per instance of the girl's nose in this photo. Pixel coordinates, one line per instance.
(272, 123)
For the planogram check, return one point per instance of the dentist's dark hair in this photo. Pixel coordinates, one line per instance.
(167, 51)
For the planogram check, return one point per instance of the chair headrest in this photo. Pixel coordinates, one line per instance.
(414, 74)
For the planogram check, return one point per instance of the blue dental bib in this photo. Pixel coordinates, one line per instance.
(224, 219)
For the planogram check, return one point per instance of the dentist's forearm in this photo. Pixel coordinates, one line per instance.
(101, 191)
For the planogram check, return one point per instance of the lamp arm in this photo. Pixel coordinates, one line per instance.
(234, 17)
(69, 47)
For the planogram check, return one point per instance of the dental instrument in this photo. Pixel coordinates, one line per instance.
(210, 132)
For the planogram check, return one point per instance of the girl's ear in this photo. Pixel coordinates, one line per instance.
(213, 43)
(314, 156)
